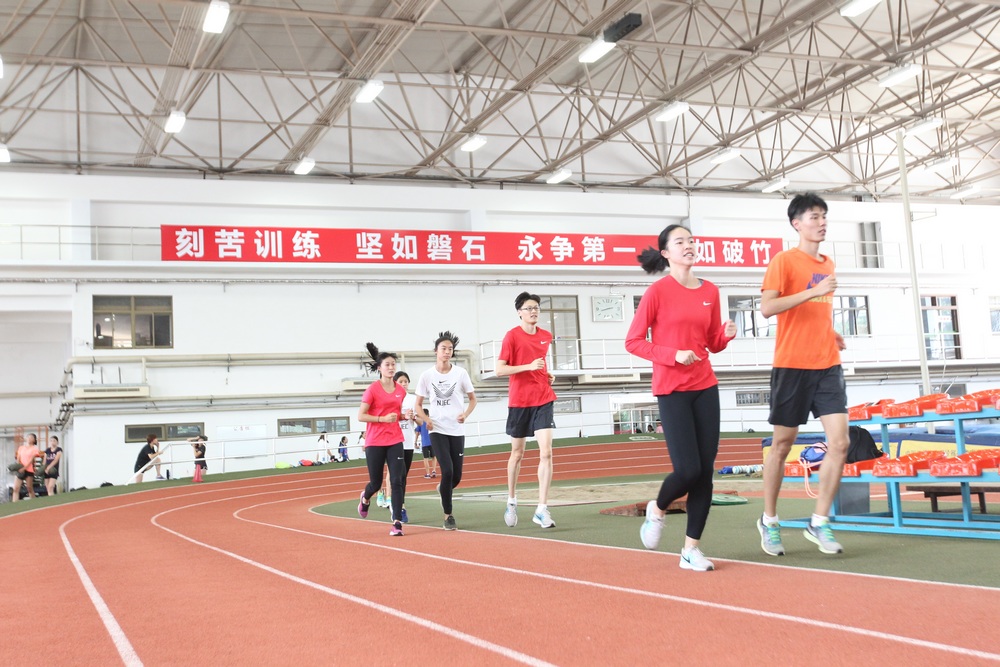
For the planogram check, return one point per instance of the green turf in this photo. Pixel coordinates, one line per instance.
(730, 534)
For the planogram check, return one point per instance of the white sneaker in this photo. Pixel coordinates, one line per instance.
(543, 518)
(651, 528)
(694, 559)
(510, 515)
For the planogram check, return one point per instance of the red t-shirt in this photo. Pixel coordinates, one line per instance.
(681, 319)
(806, 339)
(381, 403)
(530, 388)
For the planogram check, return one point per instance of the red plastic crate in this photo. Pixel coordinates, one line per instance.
(905, 466)
(865, 411)
(855, 469)
(953, 406)
(798, 470)
(970, 463)
(986, 398)
(930, 400)
(907, 409)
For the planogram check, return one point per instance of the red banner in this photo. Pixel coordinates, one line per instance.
(185, 243)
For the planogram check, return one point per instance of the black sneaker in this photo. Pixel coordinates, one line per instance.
(449, 523)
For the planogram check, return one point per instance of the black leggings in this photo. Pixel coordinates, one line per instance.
(379, 457)
(691, 427)
(450, 452)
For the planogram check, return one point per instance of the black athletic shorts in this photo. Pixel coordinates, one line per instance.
(523, 422)
(427, 452)
(795, 392)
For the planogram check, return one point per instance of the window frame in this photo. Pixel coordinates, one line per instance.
(108, 307)
(316, 429)
(166, 431)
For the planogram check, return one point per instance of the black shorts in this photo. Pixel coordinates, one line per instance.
(24, 475)
(427, 452)
(51, 475)
(523, 422)
(795, 392)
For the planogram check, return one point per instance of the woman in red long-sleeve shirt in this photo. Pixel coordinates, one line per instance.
(683, 314)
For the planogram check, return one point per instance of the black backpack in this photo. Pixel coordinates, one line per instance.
(862, 447)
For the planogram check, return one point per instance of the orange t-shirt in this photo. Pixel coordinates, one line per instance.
(806, 339)
(26, 456)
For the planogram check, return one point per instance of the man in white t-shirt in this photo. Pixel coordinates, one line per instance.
(442, 388)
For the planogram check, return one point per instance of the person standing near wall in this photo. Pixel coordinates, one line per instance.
(426, 448)
(442, 387)
(381, 407)
(406, 425)
(684, 315)
(807, 376)
(53, 456)
(25, 456)
(200, 449)
(530, 403)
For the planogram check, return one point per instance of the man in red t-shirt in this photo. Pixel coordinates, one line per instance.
(26, 455)
(807, 377)
(529, 404)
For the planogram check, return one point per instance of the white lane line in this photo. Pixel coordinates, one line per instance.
(122, 644)
(865, 632)
(452, 633)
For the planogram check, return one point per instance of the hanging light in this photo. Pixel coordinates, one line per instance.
(725, 155)
(1, 67)
(559, 176)
(965, 193)
(937, 166)
(473, 143)
(671, 111)
(216, 16)
(369, 91)
(926, 125)
(4, 153)
(304, 166)
(900, 74)
(596, 50)
(175, 122)
(857, 7)
(775, 185)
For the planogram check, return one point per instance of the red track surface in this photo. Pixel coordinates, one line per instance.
(243, 572)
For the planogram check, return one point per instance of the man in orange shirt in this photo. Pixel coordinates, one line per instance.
(798, 287)
(26, 455)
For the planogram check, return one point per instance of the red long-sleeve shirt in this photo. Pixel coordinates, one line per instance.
(680, 319)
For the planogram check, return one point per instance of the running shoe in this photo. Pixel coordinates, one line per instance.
(404, 518)
(388, 503)
(510, 515)
(363, 507)
(651, 528)
(770, 538)
(427, 476)
(396, 530)
(434, 474)
(449, 523)
(694, 559)
(160, 477)
(543, 518)
(380, 500)
(822, 535)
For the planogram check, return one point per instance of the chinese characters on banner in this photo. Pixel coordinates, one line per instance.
(187, 243)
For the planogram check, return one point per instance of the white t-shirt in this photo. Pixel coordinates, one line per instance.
(442, 393)
(406, 424)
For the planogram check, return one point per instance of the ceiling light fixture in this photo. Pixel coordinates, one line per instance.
(473, 143)
(304, 166)
(216, 16)
(900, 74)
(559, 176)
(775, 185)
(725, 155)
(369, 91)
(596, 50)
(926, 125)
(671, 111)
(175, 121)
(1, 67)
(937, 166)
(965, 193)
(4, 153)
(857, 7)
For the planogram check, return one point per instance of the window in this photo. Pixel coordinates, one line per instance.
(133, 321)
(850, 315)
(871, 245)
(940, 319)
(954, 389)
(995, 314)
(750, 323)
(748, 398)
(561, 316)
(571, 404)
(138, 432)
(311, 426)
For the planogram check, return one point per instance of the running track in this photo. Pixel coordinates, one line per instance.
(243, 572)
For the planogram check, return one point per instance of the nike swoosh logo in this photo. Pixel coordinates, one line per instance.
(706, 303)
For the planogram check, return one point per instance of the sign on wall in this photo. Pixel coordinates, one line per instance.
(188, 243)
